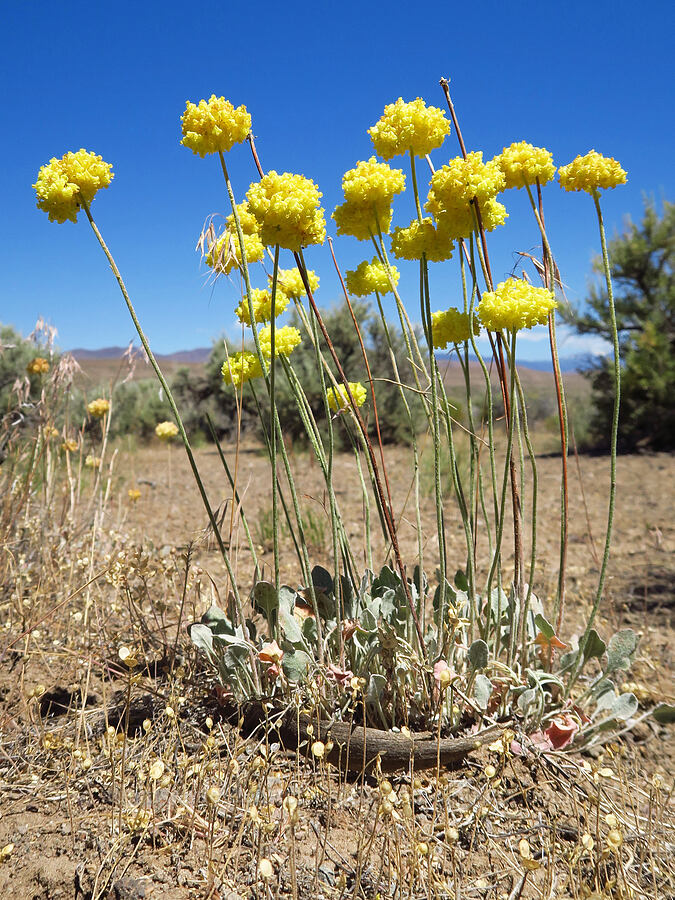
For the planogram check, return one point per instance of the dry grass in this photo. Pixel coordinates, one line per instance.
(122, 779)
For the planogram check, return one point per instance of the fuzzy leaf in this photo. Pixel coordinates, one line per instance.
(295, 666)
(593, 647)
(545, 627)
(322, 580)
(266, 601)
(664, 713)
(620, 650)
(202, 637)
(478, 655)
(482, 690)
(376, 684)
(215, 619)
(461, 581)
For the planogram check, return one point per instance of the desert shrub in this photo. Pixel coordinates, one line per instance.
(202, 394)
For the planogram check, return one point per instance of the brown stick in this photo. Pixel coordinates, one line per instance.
(355, 748)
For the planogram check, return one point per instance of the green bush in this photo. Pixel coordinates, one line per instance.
(200, 394)
(643, 272)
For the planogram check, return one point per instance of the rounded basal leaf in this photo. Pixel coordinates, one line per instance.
(664, 713)
(478, 655)
(322, 579)
(215, 619)
(266, 601)
(624, 706)
(544, 626)
(295, 666)
(482, 690)
(376, 685)
(594, 647)
(620, 650)
(461, 581)
(202, 637)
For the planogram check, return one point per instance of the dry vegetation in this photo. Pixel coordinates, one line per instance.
(123, 778)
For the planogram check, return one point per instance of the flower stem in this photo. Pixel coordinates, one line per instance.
(615, 415)
(174, 409)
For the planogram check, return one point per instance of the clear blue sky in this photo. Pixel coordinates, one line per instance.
(114, 78)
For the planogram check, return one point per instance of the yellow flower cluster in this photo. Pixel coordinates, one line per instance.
(69, 446)
(421, 238)
(591, 172)
(461, 180)
(93, 462)
(38, 366)
(290, 282)
(369, 189)
(451, 326)
(515, 304)
(409, 126)
(339, 399)
(224, 253)
(371, 278)
(373, 183)
(133, 494)
(63, 183)
(523, 164)
(361, 220)
(249, 223)
(262, 306)
(287, 208)
(98, 408)
(455, 185)
(286, 339)
(460, 222)
(214, 125)
(241, 367)
(165, 431)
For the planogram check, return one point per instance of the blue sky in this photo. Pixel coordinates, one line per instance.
(114, 78)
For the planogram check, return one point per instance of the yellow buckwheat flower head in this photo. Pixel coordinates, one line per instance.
(515, 304)
(92, 462)
(421, 238)
(287, 207)
(456, 184)
(214, 125)
(451, 326)
(224, 254)
(249, 223)
(262, 306)
(362, 220)
(290, 282)
(338, 399)
(241, 367)
(98, 408)
(409, 126)
(286, 339)
(166, 430)
(63, 183)
(523, 164)
(38, 366)
(460, 222)
(373, 183)
(591, 172)
(371, 278)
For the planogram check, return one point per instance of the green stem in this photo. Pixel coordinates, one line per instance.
(615, 416)
(273, 431)
(174, 409)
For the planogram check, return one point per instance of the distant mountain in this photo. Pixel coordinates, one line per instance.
(201, 354)
(575, 363)
(198, 355)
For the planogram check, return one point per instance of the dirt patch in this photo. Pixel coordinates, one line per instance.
(88, 820)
